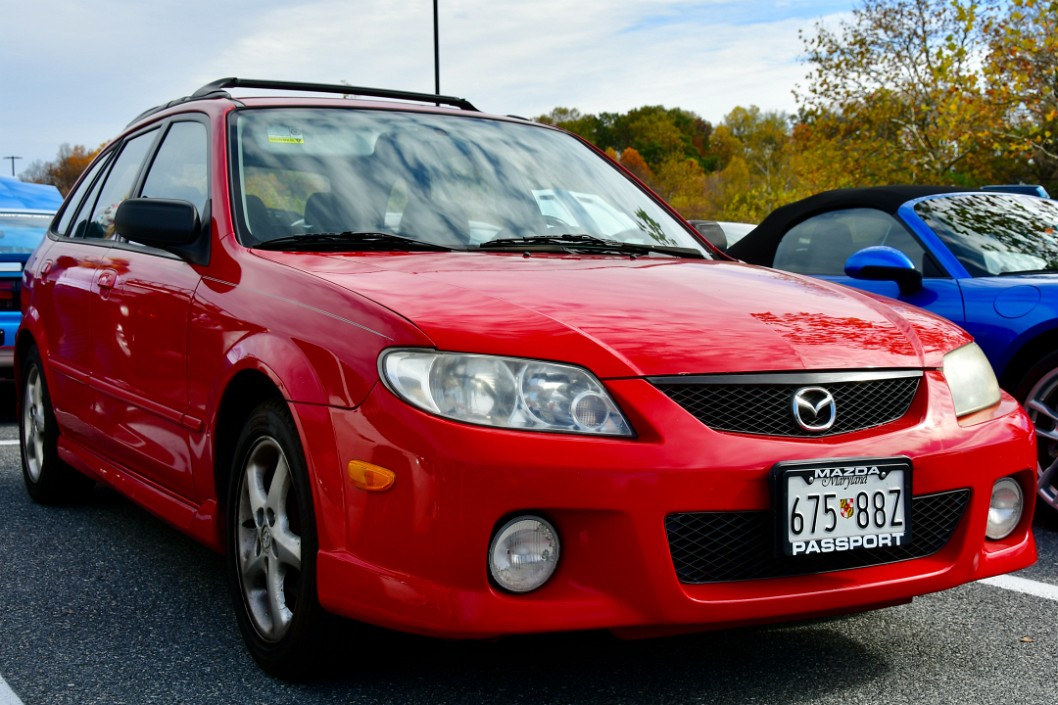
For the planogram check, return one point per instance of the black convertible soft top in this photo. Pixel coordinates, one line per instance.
(884, 198)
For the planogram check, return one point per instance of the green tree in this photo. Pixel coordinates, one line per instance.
(590, 127)
(659, 133)
(654, 132)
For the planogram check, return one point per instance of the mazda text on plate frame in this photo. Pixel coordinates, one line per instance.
(459, 375)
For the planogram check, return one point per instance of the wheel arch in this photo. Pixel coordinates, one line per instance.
(291, 379)
(1022, 361)
(23, 342)
(244, 392)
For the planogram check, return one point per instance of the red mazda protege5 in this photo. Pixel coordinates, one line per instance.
(461, 375)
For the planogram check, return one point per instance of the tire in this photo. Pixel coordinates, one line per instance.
(48, 479)
(1038, 393)
(271, 546)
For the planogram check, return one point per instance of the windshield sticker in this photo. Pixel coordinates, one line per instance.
(281, 134)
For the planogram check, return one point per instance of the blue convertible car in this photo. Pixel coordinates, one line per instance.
(984, 259)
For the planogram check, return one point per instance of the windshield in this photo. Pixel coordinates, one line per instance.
(994, 234)
(20, 233)
(449, 180)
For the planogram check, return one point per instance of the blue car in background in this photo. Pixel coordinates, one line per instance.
(26, 211)
(987, 260)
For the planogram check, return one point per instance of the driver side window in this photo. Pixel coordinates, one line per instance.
(179, 169)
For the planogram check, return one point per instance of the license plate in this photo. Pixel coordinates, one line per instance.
(832, 506)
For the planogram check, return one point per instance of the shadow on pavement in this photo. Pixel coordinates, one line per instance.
(7, 401)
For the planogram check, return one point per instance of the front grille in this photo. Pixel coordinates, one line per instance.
(712, 547)
(763, 404)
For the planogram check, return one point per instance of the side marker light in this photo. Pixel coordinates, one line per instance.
(371, 478)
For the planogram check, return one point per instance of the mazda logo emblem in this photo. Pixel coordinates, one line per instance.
(814, 409)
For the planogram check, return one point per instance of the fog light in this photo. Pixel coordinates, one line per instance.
(1004, 512)
(523, 554)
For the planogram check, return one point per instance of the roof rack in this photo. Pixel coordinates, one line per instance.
(217, 88)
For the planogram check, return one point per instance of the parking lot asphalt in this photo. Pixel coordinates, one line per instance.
(103, 603)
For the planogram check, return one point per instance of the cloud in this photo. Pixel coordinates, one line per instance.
(76, 72)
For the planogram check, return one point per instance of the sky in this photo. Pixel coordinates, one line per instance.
(76, 72)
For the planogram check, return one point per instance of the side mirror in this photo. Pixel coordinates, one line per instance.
(164, 223)
(712, 232)
(882, 263)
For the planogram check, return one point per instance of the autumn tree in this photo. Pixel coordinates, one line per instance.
(667, 148)
(64, 171)
(894, 94)
(1022, 82)
(961, 92)
(680, 180)
(753, 150)
(633, 161)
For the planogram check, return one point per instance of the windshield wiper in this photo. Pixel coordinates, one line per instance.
(349, 240)
(585, 243)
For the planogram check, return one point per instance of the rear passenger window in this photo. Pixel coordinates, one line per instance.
(115, 189)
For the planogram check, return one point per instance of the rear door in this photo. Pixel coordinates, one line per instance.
(68, 275)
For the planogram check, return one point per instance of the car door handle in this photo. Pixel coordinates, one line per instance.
(44, 275)
(106, 280)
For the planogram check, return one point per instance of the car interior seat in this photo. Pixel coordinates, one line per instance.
(326, 213)
(262, 225)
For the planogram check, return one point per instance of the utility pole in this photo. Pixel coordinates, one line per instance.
(13, 158)
(436, 54)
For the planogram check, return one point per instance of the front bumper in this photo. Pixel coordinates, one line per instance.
(414, 558)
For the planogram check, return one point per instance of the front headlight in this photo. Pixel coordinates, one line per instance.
(971, 380)
(503, 391)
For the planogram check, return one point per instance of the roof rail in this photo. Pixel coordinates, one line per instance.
(216, 88)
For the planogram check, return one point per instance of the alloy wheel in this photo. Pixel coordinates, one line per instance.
(268, 540)
(33, 424)
(1042, 405)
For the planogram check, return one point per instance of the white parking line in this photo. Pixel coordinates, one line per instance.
(9, 443)
(1023, 585)
(7, 696)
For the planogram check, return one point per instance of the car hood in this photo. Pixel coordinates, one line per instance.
(625, 317)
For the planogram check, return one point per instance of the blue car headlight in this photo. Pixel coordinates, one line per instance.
(971, 380)
(505, 392)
